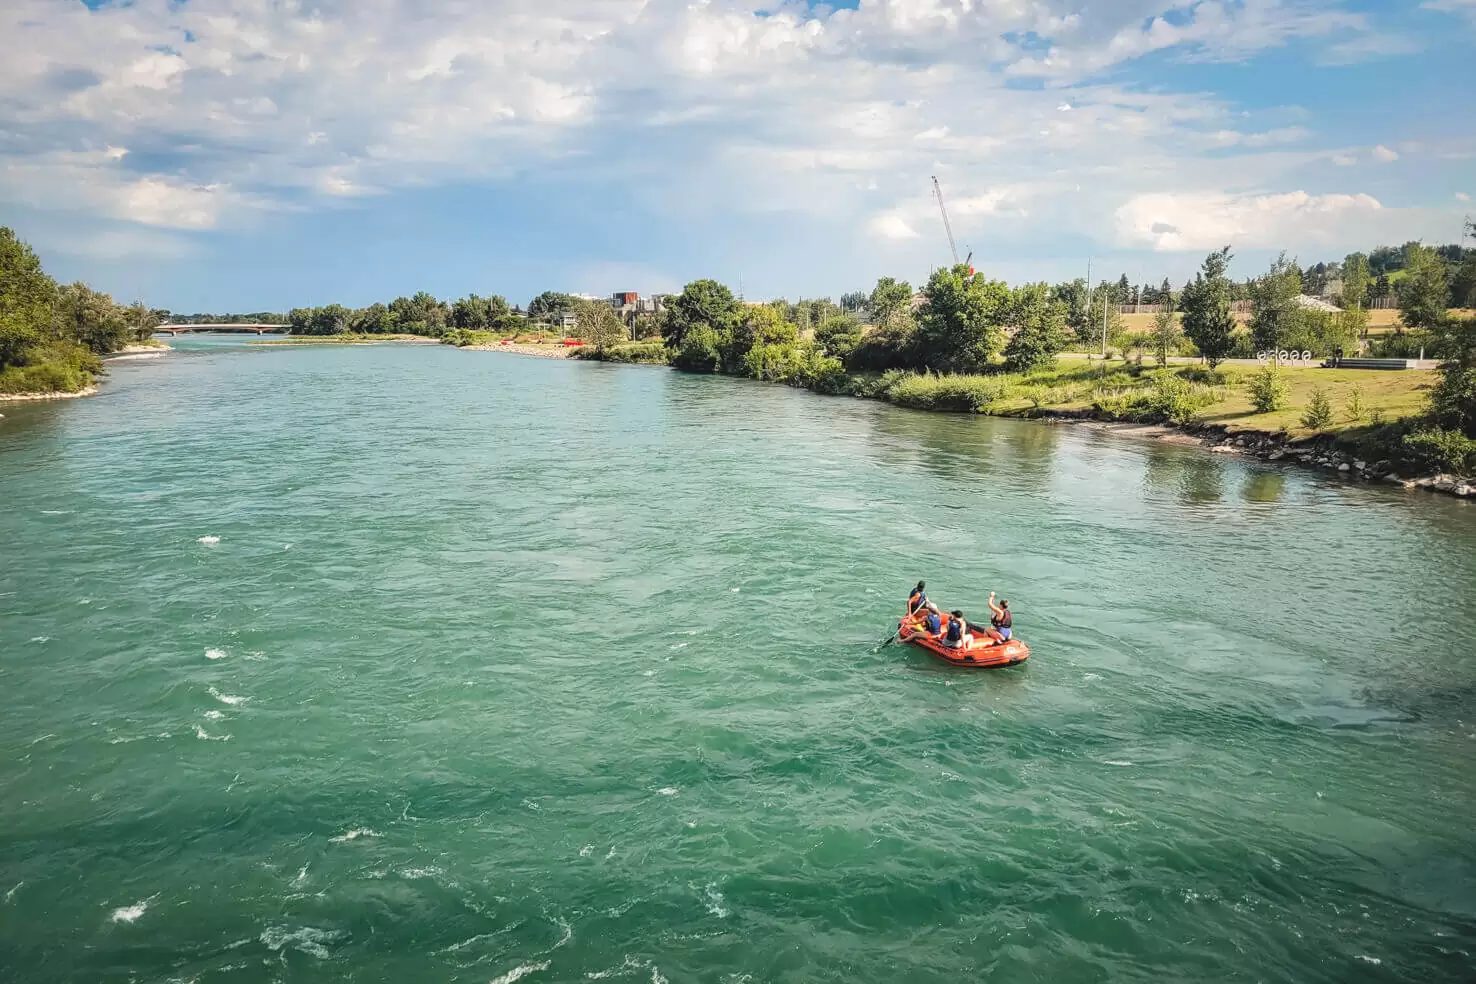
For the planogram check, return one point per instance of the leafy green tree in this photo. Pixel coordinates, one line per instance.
(421, 314)
(142, 320)
(550, 302)
(1206, 306)
(890, 303)
(700, 349)
(1422, 291)
(599, 325)
(1453, 398)
(1274, 307)
(759, 325)
(26, 298)
(853, 302)
(1165, 327)
(701, 304)
(839, 335)
(960, 328)
(376, 319)
(90, 318)
(1382, 286)
(1039, 325)
(1355, 293)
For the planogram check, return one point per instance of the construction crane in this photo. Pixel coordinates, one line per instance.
(947, 226)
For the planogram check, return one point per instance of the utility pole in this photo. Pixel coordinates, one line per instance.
(1105, 299)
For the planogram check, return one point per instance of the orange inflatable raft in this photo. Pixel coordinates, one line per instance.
(982, 653)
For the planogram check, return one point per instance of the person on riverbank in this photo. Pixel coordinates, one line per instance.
(1001, 621)
(957, 636)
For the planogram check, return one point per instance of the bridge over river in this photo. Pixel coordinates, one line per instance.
(222, 329)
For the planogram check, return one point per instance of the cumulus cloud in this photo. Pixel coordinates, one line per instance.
(1461, 196)
(1210, 219)
(1384, 154)
(230, 111)
(890, 225)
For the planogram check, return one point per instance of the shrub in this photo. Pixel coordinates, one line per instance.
(1355, 404)
(964, 393)
(1269, 389)
(1169, 398)
(1319, 412)
(1443, 450)
(641, 353)
(699, 350)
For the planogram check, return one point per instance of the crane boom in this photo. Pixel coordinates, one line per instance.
(948, 228)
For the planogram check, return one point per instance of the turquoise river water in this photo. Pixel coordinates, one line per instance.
(505, 668)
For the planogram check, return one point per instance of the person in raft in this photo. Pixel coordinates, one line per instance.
(918, 601)
(933, 625)
(1001, 620)
(957, 636)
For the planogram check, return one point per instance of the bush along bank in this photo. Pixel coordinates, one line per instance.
(53, 337)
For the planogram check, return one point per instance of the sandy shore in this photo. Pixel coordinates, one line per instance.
(27, 397)
(143, 350)
(542, 351)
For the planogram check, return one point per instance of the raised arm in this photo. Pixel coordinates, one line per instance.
(993, 607)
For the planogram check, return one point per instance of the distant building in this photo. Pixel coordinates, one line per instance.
(1316, 304)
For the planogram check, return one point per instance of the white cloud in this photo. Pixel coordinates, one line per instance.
(1463, 7)
(1195, 221)
(1344, 160)
(890, 225)
(1384, 154)
(229, 109)
(1461, 196)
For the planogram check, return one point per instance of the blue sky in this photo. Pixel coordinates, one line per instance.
(219, 155)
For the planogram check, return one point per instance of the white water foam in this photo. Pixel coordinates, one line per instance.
(11, 894)
(256, 656)
(55, 512)
(227, 698)
(40, 638)
(413, 873)
(215, 654)
(308, 939)
(1089, 677)
(656, 977)
(610, 853)
(1373, 960)
(302, 874)
(1116, 762)
(667, 791)
(735, 590)
(519, 972)
(213, 715)
(625, 967)
(354, 834)
(208, 539)
(715, 900)
(130, 913)
(200, 733)
(584, 851)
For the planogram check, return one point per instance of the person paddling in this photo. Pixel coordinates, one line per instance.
(918, 600)
(1001, 620)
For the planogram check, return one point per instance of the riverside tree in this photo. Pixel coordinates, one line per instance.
(1206, 306)
(1274, 308)
(1422, 292)
(960, 327)
(1165, 326)
(1039, 325)
(599, 325)
(704, 305)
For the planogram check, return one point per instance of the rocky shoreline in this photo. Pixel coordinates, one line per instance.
(1309, 452)
(541, 351)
